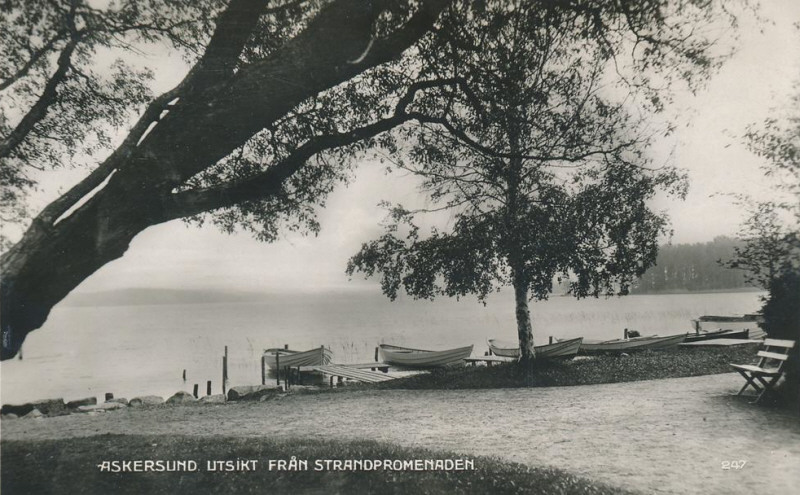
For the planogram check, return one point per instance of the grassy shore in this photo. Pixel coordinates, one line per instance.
(72, 466)
(646, 365)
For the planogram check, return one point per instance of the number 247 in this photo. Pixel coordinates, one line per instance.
(733, 464)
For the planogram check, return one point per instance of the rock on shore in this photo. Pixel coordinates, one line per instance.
(146, 400)
(88, 401)
(181, 398)
(213, 399)
(47, 407)
(251, 392)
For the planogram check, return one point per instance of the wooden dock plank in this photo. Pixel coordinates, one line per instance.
(353, 373)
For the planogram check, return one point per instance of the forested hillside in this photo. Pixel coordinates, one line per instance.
(692, 267)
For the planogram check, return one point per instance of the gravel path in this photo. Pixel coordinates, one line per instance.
(662, 436)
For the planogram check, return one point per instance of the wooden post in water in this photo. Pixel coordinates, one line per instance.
(286, 346)
(278, 368)
(195, 390)
(626, 334)
(225, 372)
(376, 354)
(208, 387)
(263, 370)
(184, 375)
(551, 339)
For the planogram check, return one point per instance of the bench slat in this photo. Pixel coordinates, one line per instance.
(779, 343)
(755, 369)
(773, 355)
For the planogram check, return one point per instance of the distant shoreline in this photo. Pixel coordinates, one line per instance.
(704, 291)
(139, 296)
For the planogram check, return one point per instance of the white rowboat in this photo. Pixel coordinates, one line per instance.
(421, 358)
(632, 344)
(561, 349)
(288, 357)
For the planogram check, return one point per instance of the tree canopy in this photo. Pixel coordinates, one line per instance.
(279, 101)
(544, 171)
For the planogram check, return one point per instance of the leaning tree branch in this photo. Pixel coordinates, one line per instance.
(270, 181)
(39, 109)
(35, 57)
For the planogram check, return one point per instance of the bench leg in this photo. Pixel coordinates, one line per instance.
(768, 387)
(750, 382)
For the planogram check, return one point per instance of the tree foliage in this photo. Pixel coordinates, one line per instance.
(66, 85)
(280, 99)
(771, 232)
(544, 171)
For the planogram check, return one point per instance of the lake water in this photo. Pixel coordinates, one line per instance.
(143, 350)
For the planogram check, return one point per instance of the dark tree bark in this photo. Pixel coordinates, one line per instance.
(217, 111)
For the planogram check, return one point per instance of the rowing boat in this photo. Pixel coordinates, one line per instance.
(287, 357)
(719, 334)
(560, 349)
(421, 358)
(712, 323)
(631, 344)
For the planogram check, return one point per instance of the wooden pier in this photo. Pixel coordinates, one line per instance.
(362, 372)
(350, 372)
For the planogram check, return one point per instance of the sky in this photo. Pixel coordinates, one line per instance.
(754, 84)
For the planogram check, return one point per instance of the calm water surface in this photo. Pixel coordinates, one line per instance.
(143, 350)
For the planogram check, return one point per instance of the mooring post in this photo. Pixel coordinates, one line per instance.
(184, 375)
(208, 387)
(278, 368)
(225, 372)
(626, 333)
(376, 354)
(286, 346)
(551, 339)
(195, 390)
(263, 370)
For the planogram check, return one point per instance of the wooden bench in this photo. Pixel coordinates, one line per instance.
(769, 368)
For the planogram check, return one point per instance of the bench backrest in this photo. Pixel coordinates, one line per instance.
(776, 350)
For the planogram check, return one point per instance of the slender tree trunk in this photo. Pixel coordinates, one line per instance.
(524, 327)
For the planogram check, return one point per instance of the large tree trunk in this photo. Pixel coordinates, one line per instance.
(48, 263)
(214, 115)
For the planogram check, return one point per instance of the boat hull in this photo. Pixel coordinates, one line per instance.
(630, 345)
(719, 334)
(565, 349)
(285, 357)
(420, 358)
(713, 323)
